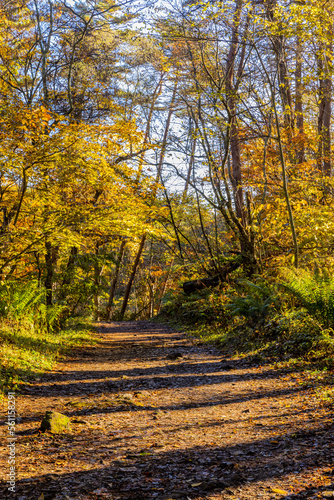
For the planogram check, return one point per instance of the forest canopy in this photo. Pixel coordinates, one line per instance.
(145, 144)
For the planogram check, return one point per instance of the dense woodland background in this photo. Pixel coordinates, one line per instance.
(146, 144)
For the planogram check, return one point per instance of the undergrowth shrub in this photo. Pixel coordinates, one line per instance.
(32, 335)
(25, 352)
(314, 291)
(202, 307)
(261, 319)
(292, 334)
(25, 303)
(300, 334)
(253, 301)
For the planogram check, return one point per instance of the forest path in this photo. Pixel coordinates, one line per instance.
(155, 416)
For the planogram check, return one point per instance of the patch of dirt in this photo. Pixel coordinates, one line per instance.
(155, 416)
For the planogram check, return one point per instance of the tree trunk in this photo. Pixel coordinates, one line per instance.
(50, 260)
(191, 164)
(69, 272)
(164, 287)
(300, 152)
(232, 107)
(132, 277)
(278, 42)
(283, 163)
(324, 115)
(112, 290)
(154, 193)
(164, 140)
(156, 94)
(97, 274)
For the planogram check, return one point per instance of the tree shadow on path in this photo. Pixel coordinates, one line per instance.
(117, 467)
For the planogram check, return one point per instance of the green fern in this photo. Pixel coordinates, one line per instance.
(49, 318)
(315, 292)
(20, 300)
(254, 302)
(26, 303)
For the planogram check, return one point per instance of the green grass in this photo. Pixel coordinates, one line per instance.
(26, 352)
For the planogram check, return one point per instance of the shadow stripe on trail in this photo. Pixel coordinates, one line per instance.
(174, 407)
(200, 368)
(199, 431)
(142, 383)
(257, 461)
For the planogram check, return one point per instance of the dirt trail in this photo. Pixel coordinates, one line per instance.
(155, 416)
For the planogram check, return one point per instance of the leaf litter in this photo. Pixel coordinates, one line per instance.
(155, 416)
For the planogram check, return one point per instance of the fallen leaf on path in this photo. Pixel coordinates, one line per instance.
(279, 491)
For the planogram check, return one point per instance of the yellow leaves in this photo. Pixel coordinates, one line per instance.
(257, 210)
(279, 491)
(307, 19)
(76, 190)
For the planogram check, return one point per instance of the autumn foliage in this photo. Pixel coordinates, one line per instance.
(135, 159)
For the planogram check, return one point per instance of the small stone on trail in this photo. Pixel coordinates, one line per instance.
(226, 366)
(55, 422)
(175, 355)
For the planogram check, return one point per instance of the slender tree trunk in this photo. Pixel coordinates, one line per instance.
(69, 272)
(324, 115)
(283, 164)
(206, 239)
(164, 140)
(151, 312)
(233, 78)
(155, 96)
(49, 273)
(327, 128)
(278, 43)
(151, 283)
(97, 274)
(154, 193)
(50, 260)
(327, 115)
(320, 115)
(176, 231)
(164, 287)
(39, 269)
(132, 276)
(112, 290)
(300, 153)
(232, 106)
(191, 164)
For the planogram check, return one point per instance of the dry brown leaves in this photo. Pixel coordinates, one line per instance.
(155, 416)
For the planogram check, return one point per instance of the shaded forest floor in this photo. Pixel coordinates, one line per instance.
(157, 416)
